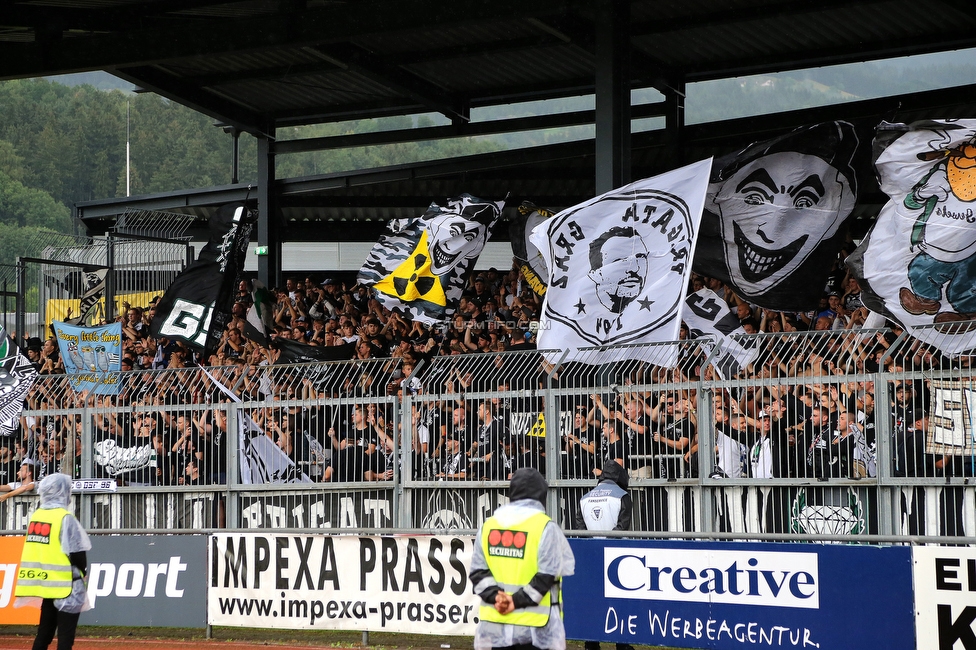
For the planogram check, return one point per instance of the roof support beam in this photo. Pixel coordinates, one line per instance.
(230, 113)
(397, 79)
(612, 94)
(469, 129)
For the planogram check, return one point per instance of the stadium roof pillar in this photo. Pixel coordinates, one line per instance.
(612, 94)
(269, 225)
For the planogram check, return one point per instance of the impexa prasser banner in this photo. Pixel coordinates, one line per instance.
(415, 584)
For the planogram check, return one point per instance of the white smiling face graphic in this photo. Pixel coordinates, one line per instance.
(775, 211)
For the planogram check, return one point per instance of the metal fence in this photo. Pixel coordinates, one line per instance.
(851, 434)
(136, 260)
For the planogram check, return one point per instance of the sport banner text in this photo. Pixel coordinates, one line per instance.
(412, 584)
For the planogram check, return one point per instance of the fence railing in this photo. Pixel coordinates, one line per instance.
(825, 435)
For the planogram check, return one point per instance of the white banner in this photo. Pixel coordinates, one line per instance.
(952, 432)
(409, 584)
(945, 597)
(618, 265)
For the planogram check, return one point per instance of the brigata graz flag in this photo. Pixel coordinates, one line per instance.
(619, 263)
(918, 263)
(771, 229)
(92, 356)
(17, 375)
(530, 261)
(419, 265)
(197, 306)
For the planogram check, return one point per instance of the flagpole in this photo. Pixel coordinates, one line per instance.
(127, 147)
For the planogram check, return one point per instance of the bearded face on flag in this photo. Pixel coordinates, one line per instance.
(618, 265)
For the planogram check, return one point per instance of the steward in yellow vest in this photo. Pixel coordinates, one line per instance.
(54, 563)
(516, 568)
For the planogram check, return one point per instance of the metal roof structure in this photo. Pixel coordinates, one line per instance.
(262, 65)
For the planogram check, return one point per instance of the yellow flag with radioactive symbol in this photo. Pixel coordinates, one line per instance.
(419, 265)
(413, 280)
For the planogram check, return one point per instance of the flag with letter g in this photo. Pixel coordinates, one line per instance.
(619, 263)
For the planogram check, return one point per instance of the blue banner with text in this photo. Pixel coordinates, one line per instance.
(740, 595)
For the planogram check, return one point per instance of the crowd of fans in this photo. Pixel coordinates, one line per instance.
(173, 427)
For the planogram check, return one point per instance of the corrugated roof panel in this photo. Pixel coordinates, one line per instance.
(291, 92)
(536, 65)
(442, 38)
(254, 61)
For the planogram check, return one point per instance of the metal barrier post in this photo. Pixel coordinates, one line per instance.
(706, 460)
(87, 465)
(401, 453)
(231, 506)
(552, 441)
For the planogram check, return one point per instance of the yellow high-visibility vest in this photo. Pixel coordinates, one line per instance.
(512, 555)
(45, 569)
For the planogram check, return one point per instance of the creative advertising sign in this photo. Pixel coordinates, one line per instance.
(726, 595)
(414, 584)
(945, 597)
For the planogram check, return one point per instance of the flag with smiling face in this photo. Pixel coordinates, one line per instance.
(419, 265)
(618, 265)
(774, 215)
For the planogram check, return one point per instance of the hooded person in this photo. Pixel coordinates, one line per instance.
(608, 506)
(516, 569)
(57, 543)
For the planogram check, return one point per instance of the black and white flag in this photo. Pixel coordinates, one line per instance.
(197, 305)
(618, 265)
(296, 352)
(531, 264)
(17, 375)
(717, 327)
(260, 459)
(771, 229)
(260, 315)
(419, 265)
(94, 292)
(917, 265)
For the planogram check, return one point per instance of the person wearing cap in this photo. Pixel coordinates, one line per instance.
(455, 460)
(54, 564)
(608, 506)
(24, 482)
(517, 567)
(480, 293)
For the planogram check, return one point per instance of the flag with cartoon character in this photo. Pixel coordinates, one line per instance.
(773, 218)
(92, 356)
(419, 265)
(618, 266)
(918, 263)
